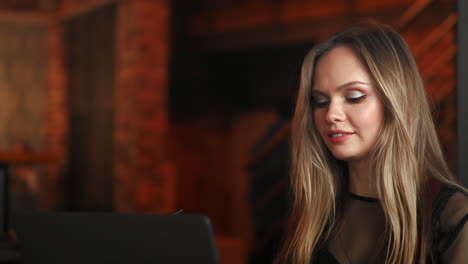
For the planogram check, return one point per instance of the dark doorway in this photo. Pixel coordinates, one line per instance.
(90, 63)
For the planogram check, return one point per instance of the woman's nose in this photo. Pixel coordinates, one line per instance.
(335, 113)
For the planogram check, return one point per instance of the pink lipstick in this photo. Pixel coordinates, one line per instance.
(338, 136)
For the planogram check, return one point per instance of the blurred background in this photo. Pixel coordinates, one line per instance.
(159, 105)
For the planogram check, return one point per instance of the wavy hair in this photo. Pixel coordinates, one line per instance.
(406, 155)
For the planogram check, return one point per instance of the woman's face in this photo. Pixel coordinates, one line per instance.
(348, 112)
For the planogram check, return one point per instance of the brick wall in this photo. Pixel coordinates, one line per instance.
(56, 126)
(144, 175)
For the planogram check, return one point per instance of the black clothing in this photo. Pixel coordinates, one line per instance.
(360, 238)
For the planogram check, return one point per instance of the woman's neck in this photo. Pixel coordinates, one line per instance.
(360, 180)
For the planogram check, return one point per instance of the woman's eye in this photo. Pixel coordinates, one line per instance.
(319, 103)
(357, 99)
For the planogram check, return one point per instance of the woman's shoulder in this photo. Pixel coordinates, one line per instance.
(449, 231)
(456, 206)
(450, 205)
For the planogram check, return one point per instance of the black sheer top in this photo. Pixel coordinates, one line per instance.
(360, 237)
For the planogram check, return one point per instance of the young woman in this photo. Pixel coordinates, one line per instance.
(369, 179)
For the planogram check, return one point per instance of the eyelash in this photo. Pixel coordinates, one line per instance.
(356, 100)
(353, 100)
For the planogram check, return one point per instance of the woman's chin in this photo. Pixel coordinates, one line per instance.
(344, 156)
(340, 157)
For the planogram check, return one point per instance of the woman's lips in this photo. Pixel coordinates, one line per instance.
(339, 136)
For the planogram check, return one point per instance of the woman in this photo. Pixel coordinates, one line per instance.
(369, 179)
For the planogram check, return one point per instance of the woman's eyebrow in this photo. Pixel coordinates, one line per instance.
(318, 92)
(351, 84)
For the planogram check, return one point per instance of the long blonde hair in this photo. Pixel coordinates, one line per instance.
(405, 156)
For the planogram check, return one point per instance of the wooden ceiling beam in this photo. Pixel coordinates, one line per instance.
(284, 34)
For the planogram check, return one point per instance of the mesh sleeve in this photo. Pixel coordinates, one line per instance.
(454, 245)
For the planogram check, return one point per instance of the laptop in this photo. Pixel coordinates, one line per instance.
(93, 238)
